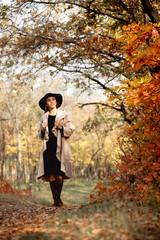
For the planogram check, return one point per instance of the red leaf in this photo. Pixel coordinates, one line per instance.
(148, 179)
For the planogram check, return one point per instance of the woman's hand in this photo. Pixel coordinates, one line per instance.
(44, 125)
(57, 124)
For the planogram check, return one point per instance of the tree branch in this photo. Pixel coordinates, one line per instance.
(121, 3)
(121, 109)
(78, 5)
(99, 103)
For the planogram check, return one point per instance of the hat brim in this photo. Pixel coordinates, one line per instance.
(57, 96)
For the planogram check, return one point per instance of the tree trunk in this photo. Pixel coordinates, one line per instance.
(151, 11)
(10, 166)
(23, 173)
(18, 163)
(18, 158)
(3, 151)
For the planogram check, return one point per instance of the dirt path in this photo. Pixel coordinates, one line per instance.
(111, 220)
(19, 218)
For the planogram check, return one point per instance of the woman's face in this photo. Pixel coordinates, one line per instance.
(51, 103)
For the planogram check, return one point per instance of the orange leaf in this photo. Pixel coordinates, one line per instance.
(132, 39)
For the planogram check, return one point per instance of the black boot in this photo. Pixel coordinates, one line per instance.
(56, 188)
(59, 188)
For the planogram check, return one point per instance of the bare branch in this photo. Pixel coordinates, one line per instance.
(121, 109)
(99, 103)
(127, 9)
(81, 6)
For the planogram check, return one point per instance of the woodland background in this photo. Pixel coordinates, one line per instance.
(104, 58)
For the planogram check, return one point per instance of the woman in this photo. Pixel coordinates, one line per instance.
(55, 128)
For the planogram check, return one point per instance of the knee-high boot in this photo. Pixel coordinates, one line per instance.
(53, 187)
(56, 188)
(59, 188)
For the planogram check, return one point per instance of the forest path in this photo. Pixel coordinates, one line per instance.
(112, 220)
(18, 218)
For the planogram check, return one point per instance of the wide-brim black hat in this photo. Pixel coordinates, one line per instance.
(57, 96)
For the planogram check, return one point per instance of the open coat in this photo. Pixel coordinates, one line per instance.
(63, 152)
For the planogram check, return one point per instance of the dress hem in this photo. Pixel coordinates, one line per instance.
(51, 177)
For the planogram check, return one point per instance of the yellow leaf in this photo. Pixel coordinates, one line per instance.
(135, 83)
(121, 39)
(115, 89)
(107, 91)
(112, 98)
(125, 81)
(147, 28)
(132, 39)
(124, 86)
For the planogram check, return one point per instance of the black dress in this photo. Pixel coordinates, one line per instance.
(52, 165)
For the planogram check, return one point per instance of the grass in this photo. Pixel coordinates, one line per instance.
(75, 192)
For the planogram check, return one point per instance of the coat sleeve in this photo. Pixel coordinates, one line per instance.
(68, 127)
(41, 134)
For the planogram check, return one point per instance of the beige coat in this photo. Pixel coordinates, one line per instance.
(63, 142)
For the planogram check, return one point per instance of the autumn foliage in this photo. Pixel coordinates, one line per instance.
(138, 172)
(7, 189)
